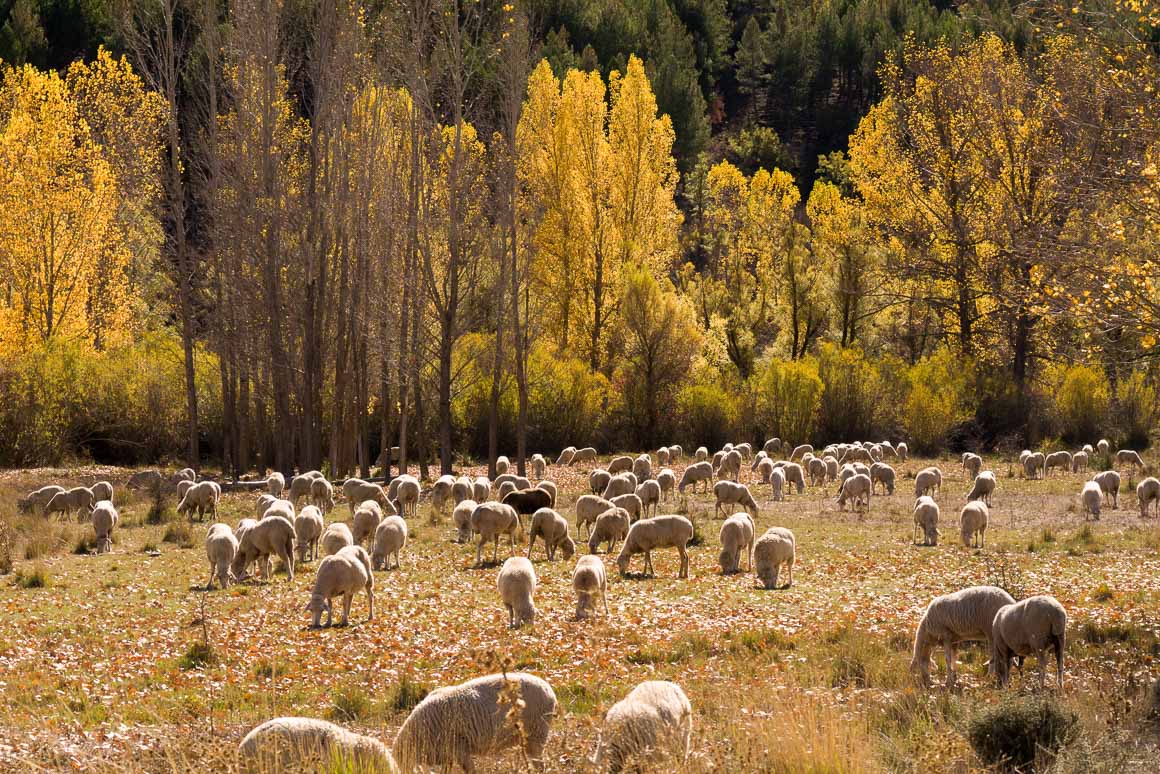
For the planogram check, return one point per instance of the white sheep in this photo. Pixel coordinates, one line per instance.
(952, 619)
(308, 526)
(343, 573)
(928, 481)
(772, 446)
(926, 513)
(148, 480)
(302, 744)
(78, 500)
(695, 473)
(553, 528)
(663, 457)
(220, 548)
(1109, 481)
(1060, 460)
(623, 483)
(972, 464)
(884, 475)
(598, 479)
(1026, 628)
(300, 485)
(517, 589)
(588, 507)
(1104, 445)
(461, 490)
(390, 540)
(489, 520)
(1079, 462)
(676, 452)
(773, 549)
(520, 482)
(355, 490)
(983, 487)
(1148, 491)
(480, 488)
(37, 501)
(903, 451)
(550, 488)
(407, 492)
(653, 723)
(267, 538)
(973, 524)
(283, 508)
(1033, 465)
(658, 532)
(587, 454)
(736, 541)
(441, 496)
(649, 493)
(857, 489)
(461, 517)
(612, 525)
(800, 451)
(730, 493)
(275, 483)
(793, 474)
(102, 490)
(1129, 457)
(454, 725)
(322, 494)
(730, 466)
(1091, 498)
(502, 465)
(817, 470)
(365, 521)
(104, 518)
(588, 580)
(701, 455)
(642, 467)
(777, 484)
(203, 497)
(539, 466)
(620, 464)
(566, 455)
(667, 481)
(336, 537)
(185, 474)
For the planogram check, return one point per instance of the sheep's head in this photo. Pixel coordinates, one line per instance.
(622, 562)
(568, 547)
(318, 605)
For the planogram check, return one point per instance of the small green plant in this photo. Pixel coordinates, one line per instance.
(150, 547)
(406, 693)
(179, 533)
(84, 544)
(35, 578)
(1103, 593)
(1047, 536)
(759, 641)
(351, 702)
(1014, 734)
(1098, 634)
(158, 512)
(269, 668)
(199, 654)
(6, 541)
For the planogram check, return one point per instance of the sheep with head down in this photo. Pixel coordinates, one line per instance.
(1027, 628)
(539, 466)
(926, 513)
(355, 490)
(365, 521)
(77, 500)
(1033, 465)
(653, 724)
(631, 504)
(480, 489)
(972, 464)
(775, 548)
(598, 479)
(345, 574)
(882, 475)
(309, 744)
(666, 482)
(1091, 498)
(694, 474)
(983, 487)
(1104, 445)
(856, 489)
(566, 456)
(620, 464)
(736, 542)
(553, 528)
(517, 589)
(1148, 493)
(264, 540)
(649, 493)
(308, 526)
(550, 488)
(104, 518)
(220, 548)
(587, 454)
(335, 537)
(973, 524)
(729, 493)
(39, 499)
(461, 518)
(927, 482)
(952, 619)
(642, 467)
(1129, 457)
(588, 580)
(1060, 460)
(389, 542)
(620, 484)
(669, 531)
(1079, 462)
(1109, 481)
(588, 508)
(275, 483)
(794, 476)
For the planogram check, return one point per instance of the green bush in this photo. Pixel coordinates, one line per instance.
(1081, 402)
(1137, 410)
(708, 414)
(937, 400)
(1015, 733)
(859, 400)
(787, 396)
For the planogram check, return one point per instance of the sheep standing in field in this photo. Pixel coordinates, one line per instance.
(856, 489)
(441, 496)
(185, 474)
(461, 518)
(355, 490)
(78, 500)
(1060, 460)
(275, 483)
(612, 525)
(777, 484)
(461, 490)
(832, 468)
(550, 488)
(517, 588)
(884, 475)
(983, 487)
(308, 526)
(343, 573)
(1148, 491)
(1079, 462)
(729, 493)
(793, 475)
(772, 446)
(1025, 628)
(37, 501)
(203, 497)
(598, 479)
(1033, 465)
(1109, 481)
(903, 451)
(587, 454)
(503, 489)
(667, 482)
(620, 464)
(1104, 446)
(407, 491)
(730, 466)
(773, 549)
(335, 537)
(952, 619)
(220, 548)
(480, 489)
(1090, 499)
(642, 467)
(701, 454)
(300, 485)
(623, 483)
(365, 521)
(800, 451)
(1129, 457)
(301, 744)
(489, 520)
(972, 463)
(566, 456)
(658, 532)
(676, 452)
(649, 493)
(322, 494)
(631, 505)
(390, 540)
(588, 580)
(695, 473)
(663, 456)
(588, 508)
(926, 513)
(502, 465)
(102, 490)
(928, 481)
(973, 524)
(456, 724)
(267, 538)
(817, 470)
(736, 541)
(539, 466)
(104, 518)
(553, 528)
(283, 508)
(653, 724)
(183, 487)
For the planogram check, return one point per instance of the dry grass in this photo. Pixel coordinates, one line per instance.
(103, 669)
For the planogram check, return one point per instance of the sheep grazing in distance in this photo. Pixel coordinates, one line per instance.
(676, 452)
(220, 548)
(620, 484)
(102, 490)
(952, 619)
(322, 494)
(800, 451)
(631, 504)
(502, 465)
(456, 724)
(1109, 481)
(336, 537)
(489, 520)
(275, 483)
(203, 497)
(973, 524)
(777, 484)
(365, 521)
(695, 473)
(1148, 492)
(517, 588)
(772, 446)
(343, 573)
(731, 493)
(518, 481)
(1087, 448)
(480, 489)
(1025, 628)
(620, 464)
(926, 513)
(183, 486)
(38, 500)
(669, 531)
(441, 497)
(355, 490)
(78, 500)
(701, 455)
(598, 479)
(267, 538)
(550, 488)
(587, 454)
(283, 508)
(1060, 460)
(1104, 445)
(649, 493)
(566, 456)
(972, 463)
(300, 744)
(903, 451)
(1079, 462)
(300, 485)
(1033, 465)
(667, 482)
(185, 474)
(928, 481)
(663, 456)
(104, 518)
(730, 466)
(588, 580)
(553, 528)
(461, 517)
(1129, 457)
(528, 501)
(539, 466)
(1091, 498)
(652, 724)
(308, 526)
(642, 467)
(793, 475)
(736, 541)
(884, 475)
(461, 490)
(857, 489)
(406, 492)
(612, 525)
(390, 540)
(1023, 455)
(983, 487)
(817, 471)
(773, 549)
(588, 508)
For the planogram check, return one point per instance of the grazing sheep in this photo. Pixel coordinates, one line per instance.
(390, 540)
(793, 475)
(588, 507)
(550, 488)
(553, 527)
(102, 490)
(676, 452)
(800, 451)
(1087, 447)
(657, 532)
(528, 501)
(202, 496)
(104, 518)
(505, 489)
(903, 451)
(649, 493)
(697, 472)
(884, 475)
(731, 493)
(587, 454)
(407, 491)
(983, 487)
(148, 480)
(1104, 446)
(461, 517)
(773, 549)
(301, 744)
(1079, 462)
(631, 504)
(653, 723)
(1148, 491)
(275, 483)
(736, 540)
(973, 524)
(480, 489)
(300, 485)
(888, 449)
(220, 548)
(1033, 465)
(620, 464)
(717, 458)
(952, 619)
(642, 467)
(517, 587)
(1060, 459)
(78, 500)
(730, 466)
(502, 465)
(343, 573)
(462, 490)
(612, 525)
(972, 464)
(763, 466)
(928, 481)
(39, 499)
(365, 521)
(336, 537)
(1109, 481)
(454, 725)
(623, 483)
(267, 538)
(1091, 498)
(185, 474)
(598, 479)
(489, 520)
(517, 480)
(539, 466)
(1025, 628)
(772, 446)
(441, 497)
(589, 579)
(702, 454)
(566, 456)
(184, 486)
(777, 484)
(663, 456)
(856, 454)
(322, 494)
(926, 513)
(264, 503)
(308, 526)
(667, 481)
(283, 508)
(355, 490)
(858, 489)
(817, 471)
(1129, 457)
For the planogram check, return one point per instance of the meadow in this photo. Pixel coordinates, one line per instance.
(123, 662)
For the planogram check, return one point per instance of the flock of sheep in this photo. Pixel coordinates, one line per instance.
(455, 724)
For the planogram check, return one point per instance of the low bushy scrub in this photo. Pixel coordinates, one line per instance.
(1020, 732)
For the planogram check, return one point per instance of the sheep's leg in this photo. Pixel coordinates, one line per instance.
(1059, 661)
(347, 598)
(604, 597)
(949, 656)
(1041, 654)
(684, 562)
(212, 573)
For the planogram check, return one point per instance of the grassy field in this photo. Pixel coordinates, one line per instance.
(122, 662)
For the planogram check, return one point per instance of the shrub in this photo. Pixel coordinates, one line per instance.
(708, 415)
(566, 401)
(197, 655)
(936, 401)
(1137, 410)
(35, 578)
(179, 533)
(406, 693)
(351, 702)
(1013, 734)
(857, 401)
(1081, 402)
(787, 396)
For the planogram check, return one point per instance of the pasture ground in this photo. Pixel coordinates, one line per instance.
(104, 664)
